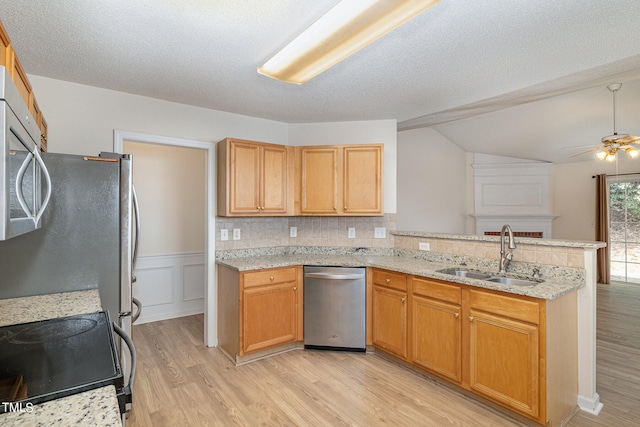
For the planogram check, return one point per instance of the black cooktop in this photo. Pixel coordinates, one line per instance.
(49, 359)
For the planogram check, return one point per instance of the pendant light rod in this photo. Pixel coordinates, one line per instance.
(613, 88)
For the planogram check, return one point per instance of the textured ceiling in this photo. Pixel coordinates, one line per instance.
(463, 67)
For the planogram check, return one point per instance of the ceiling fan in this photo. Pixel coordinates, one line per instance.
(611, 144)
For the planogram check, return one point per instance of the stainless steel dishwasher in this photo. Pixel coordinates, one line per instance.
(335, 308)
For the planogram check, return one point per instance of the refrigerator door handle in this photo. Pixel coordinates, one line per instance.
(136, 242)
(138, 304)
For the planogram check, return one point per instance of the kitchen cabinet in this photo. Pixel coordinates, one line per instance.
(9, 59)
(389, 307)
(254, 178)
(259, 311)
(341, 180)
(505, 350)
(493, 344)
(436, 338)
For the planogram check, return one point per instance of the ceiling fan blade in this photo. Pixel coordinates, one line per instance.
(585, 152)
(580, 146)
(629, 139)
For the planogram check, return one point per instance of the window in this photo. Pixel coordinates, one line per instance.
(624, 228)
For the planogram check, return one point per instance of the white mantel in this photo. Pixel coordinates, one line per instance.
(514, 192)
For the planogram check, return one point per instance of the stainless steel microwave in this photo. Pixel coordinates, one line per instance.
(22, 171)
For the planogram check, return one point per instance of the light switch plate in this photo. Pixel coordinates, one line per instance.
(351, 233)
(423, 246)
(380, 233)
(293, 231)
(224, 234)
(236, 234)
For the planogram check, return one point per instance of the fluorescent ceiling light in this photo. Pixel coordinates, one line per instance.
(345, 29)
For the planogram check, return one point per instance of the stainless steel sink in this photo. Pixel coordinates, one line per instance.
(462, 272)
(478, 275)
(511, 281)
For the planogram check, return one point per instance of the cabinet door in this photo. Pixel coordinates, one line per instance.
(244, 178)
(273, 180)
(504, 363)
(268, 316)
(390, 320)
(436, 337)
(362, 180)
(319, 180)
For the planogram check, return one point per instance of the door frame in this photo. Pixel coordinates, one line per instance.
(211, 286)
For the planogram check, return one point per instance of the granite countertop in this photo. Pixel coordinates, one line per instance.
(98, 407)
(551, 288)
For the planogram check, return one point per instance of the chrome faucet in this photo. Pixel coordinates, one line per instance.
(505, 258)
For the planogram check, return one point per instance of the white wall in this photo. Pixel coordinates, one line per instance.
(81, 119)
(432, 183)
(171, 187)
(575, 195)
(362, 132)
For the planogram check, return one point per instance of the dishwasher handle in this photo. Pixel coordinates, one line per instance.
(333, 276)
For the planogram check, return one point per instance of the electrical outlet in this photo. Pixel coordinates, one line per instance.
(224, 234)
(423, 246)
(236, 234)
(380, 233)
(293, 231)
(351, 233)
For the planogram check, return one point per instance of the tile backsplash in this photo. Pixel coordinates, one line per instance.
(310, 231)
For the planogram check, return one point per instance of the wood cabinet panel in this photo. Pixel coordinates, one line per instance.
(504, 360)
(514, 307)
(436, 337)
(268, 277)
(390, 320)
(6, 52)
(253, 178)
(389, 279)
(319, 180)
(341, 180)
(362, 182)
(437, 290)
(269, 316)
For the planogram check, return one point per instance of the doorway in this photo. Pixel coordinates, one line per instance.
(210, 300)
(624, 228)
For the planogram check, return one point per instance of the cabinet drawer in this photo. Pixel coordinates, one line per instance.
(267, 277)
(389, 279)
(515, 308)
(436, 290)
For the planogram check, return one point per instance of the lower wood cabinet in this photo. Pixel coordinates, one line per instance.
(436, 338)
(494, 344)
(258, 310)
(389, 303)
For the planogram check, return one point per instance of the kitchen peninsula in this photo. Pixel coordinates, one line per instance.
(565, 300)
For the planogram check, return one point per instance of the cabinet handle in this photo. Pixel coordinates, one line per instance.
(295, 288)
(388, 281)
(335, 208)
(456, 315)
(470, 318)
(271, 278)
(345, 208)
(402, 299)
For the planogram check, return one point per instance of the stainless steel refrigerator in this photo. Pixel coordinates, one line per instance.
(88, 238)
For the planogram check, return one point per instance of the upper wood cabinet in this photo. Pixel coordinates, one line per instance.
(10, 61)
(341, 180)
(254, 178)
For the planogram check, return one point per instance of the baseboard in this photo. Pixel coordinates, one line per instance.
(591, 405)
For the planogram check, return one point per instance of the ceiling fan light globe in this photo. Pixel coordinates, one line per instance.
(611, 157)
(632, 152)
(601, 155)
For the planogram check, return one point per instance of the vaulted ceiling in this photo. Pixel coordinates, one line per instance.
(511, 78)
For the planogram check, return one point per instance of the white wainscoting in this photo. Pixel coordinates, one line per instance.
(170, 286)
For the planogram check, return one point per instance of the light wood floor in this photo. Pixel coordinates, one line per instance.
(181, 382)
